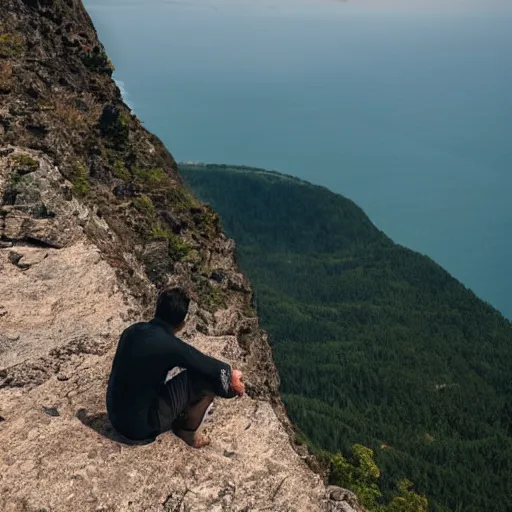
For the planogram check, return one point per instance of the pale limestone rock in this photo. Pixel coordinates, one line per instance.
(44, 210)
(29, 257)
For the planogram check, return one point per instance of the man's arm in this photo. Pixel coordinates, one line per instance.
(218, 372)
(227, 382)
(165, 347)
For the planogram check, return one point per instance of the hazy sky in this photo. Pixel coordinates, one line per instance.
(404, 6)
(432, 4)
(376, 6)
(437, 6)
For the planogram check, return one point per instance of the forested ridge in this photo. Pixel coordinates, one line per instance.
(375, 344)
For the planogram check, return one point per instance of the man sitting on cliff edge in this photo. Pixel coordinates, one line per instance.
(141, 402)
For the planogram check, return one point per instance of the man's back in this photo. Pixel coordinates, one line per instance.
(145, 354)
(137, 374)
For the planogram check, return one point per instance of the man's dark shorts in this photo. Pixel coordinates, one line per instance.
(180, 392)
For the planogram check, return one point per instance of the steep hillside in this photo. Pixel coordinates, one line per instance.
(375, 344)
(94, 219)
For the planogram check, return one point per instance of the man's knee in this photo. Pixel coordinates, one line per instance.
(200, 387)
(205, 398)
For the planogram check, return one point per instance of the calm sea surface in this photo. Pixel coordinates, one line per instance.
(407, 111)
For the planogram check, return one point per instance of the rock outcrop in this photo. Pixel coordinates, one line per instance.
(94, 219)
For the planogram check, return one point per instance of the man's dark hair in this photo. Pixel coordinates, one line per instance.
(172, 306)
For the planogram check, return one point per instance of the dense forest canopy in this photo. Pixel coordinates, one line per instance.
(375, 344)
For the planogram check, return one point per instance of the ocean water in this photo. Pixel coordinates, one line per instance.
(404, 107)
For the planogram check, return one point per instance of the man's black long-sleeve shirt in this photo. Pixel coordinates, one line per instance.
(145, 354)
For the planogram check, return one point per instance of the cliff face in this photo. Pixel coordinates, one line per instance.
(94, 219)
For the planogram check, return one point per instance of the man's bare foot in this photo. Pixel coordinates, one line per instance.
(200, 441)
(193, 438)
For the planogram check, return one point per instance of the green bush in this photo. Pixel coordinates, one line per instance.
(210, 221)
(144, 204)
(181, 199)
(97, 60)
(160, 232)
(361, 476)
(120, 171)
(213, 297)
(152, 178)
(11, 45)
(178, 249)
(80, 180)
(114, 125)
(24, 164)
(407, 500)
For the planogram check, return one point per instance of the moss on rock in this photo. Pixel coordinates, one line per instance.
(11, 45)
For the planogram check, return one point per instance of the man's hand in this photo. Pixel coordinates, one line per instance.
(236, 382)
